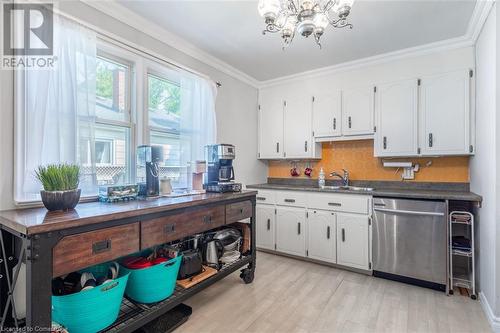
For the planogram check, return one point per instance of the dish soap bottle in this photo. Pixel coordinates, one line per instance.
(321, 178)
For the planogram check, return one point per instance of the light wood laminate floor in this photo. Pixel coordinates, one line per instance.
(290, 295)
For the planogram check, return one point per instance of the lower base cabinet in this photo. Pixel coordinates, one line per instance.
(321, 236)
(353, 240)
(265, 226)
(290, 230)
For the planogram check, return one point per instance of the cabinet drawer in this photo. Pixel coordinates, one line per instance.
(266, 197)
(75, 252)
(169, 228)
(291, 198)
(349, 203)
(238, 211)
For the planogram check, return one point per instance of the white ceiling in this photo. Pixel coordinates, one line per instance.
(232, 32)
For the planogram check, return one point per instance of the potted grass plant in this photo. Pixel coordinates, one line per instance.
(60, 186)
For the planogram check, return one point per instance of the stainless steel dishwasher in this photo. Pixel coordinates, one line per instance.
(409, 241)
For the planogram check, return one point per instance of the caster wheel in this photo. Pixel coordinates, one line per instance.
(474, 297)
(450, 292)
(247, 275)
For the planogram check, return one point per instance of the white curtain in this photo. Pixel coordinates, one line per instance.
(59, 109)
(198, 121)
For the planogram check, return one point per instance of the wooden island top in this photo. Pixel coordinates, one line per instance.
(33, 221)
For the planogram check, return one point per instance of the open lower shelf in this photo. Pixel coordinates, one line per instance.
(134, 315)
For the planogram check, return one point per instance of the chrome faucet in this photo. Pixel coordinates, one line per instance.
(344, 177)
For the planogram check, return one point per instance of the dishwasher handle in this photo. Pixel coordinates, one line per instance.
(407, 212)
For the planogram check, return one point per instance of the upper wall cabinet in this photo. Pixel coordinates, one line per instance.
(327, 115)
(430, 116)
(285, 127)
(343, 114)
(357, 111)
(396, 106)
(445, 114)
(271, 126)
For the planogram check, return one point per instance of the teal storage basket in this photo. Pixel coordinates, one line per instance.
(152, 284)
(92, 310)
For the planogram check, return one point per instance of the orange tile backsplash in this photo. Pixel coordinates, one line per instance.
(357, 157)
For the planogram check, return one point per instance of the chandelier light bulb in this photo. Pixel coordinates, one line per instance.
(269, 9)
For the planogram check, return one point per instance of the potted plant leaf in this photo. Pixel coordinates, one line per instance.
(60, 186)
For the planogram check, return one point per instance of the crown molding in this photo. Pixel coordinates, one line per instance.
(476, 23)
(126, 16)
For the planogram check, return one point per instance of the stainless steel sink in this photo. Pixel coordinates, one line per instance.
(347, 188)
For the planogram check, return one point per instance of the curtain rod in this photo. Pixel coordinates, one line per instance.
(111, 37)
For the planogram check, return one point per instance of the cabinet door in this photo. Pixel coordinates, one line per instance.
(270, 126)
(352, 240)
(321, 236)
(290, 230)
(327, 115)
(265, 227)
(396, 106)
(357, 111)
(444, 114)
(298, 133)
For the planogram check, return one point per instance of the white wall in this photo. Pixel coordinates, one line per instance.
(484, 172)
(444, 61)
(236, 106)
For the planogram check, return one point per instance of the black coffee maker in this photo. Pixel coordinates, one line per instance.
(148, 170)
(219, 175)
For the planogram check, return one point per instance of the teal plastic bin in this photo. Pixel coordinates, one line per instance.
(152, 284)
(92, 310)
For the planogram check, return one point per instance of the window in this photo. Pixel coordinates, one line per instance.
(112, 93)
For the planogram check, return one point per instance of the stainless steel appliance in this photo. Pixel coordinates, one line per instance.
(148, 170)
(219, 169)
(409, 241)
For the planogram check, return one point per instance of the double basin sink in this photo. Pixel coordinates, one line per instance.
(347, 188)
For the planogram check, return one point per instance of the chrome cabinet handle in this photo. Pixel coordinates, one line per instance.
(328, 232)
(289, 200)
(343, 234)
(298, 228)
(430, 140)
(334, 124)
(336, 204)
(305, 146)
(350, 122)
(261, 198)
(277, 147)
(268, 224)
(385, 142)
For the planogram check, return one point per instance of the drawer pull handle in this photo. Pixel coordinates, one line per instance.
(102, 246)
(343, 234)
(328, 232)
(261, 198)
(207, 219)
(268, 224)
(289, 200)
(241, 211)
(336, 204)
(169, 228)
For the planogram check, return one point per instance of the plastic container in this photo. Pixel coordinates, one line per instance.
(152, 284)
(92, 310)
(321, 178)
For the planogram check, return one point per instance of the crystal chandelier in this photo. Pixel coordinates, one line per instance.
(306, 17)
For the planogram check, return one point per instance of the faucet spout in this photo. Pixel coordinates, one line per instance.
(344, 177)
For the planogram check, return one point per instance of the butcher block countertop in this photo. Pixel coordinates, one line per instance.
(38, 220)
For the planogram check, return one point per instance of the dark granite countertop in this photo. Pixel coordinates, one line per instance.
(38, 220)
(437, 191)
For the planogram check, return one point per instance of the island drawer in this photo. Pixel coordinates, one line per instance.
(169, 228)
(76, 252)
(238, 211)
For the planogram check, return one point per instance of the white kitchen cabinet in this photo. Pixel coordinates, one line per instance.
(445, 114)
(265, 226)
(327, 115)
(321, 236)
(396, 110)
(353, 240)
(290, 230)
(270, 126)
(357, 111)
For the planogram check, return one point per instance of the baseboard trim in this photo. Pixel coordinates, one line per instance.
(492, 319)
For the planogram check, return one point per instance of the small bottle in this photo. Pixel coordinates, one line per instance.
(321, 178)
